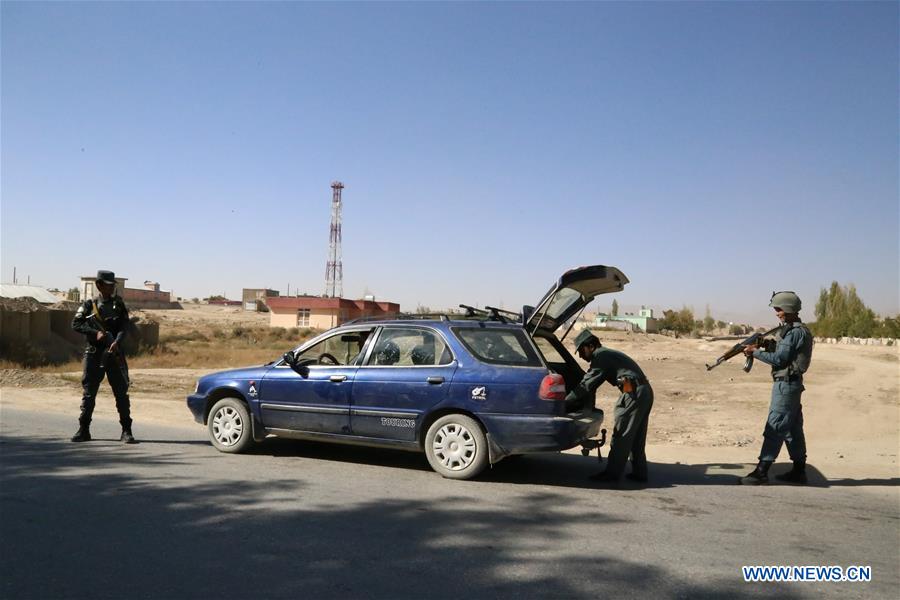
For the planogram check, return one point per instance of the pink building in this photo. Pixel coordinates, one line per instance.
(323, 313)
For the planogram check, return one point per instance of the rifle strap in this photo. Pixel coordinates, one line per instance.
(95, 310)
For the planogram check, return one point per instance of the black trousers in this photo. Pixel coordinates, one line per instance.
(97, 365)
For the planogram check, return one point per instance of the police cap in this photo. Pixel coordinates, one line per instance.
(106, 277)
(585, 337)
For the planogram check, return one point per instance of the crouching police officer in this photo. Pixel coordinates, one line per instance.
(632, 410)
(104, 322)
(789, 360)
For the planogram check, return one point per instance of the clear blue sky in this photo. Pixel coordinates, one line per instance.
(714, 152)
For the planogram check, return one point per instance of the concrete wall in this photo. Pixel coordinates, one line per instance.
(61, 325)
(134, 295)
(15, 326)
(51, 330)
(858, 341)
(152, 304)
(39, 325)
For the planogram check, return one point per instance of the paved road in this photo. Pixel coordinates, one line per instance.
(172, 518)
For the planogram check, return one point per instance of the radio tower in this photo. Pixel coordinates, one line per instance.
(334, 271)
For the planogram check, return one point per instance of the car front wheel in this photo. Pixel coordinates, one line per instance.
(229, 426)
(456, 447)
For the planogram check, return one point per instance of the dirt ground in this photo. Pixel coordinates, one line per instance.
(851, 404)
(200, 315)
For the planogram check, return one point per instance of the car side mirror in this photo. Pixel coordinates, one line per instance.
(289, 357)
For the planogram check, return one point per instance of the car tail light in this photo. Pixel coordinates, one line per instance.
(553, 387)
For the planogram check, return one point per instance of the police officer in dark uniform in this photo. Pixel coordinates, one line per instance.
(632, 410)
(789, 360)
(104, 323)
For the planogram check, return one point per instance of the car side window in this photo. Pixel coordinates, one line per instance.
(342, 348)
(408, 347)
(499, 346)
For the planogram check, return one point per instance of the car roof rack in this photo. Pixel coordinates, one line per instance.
(492, 313)
(401, 317)
(488, 313)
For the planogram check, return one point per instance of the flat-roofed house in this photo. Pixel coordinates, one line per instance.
(323, 313)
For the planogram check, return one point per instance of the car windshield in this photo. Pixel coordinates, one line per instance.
(499, 346)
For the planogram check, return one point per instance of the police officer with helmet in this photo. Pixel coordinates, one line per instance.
(632, 410)
(104, 323)
(790, 360)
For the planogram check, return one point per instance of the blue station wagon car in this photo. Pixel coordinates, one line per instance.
(467, 390)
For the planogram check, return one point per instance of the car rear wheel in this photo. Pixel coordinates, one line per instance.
(229, 426)
(456, 447)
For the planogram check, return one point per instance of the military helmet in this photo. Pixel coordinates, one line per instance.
(789, 302)
(585, 337)
(388, 354)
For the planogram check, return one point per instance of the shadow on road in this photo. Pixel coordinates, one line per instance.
(83, 522)
(554, 469)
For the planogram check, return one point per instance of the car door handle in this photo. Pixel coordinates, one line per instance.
(435, 380)
(337, 378)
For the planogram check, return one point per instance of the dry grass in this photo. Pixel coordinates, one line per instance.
(219, 347)
(183, 346)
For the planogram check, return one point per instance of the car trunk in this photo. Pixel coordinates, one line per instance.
(551, 320)
(569, 296)
(561, 362)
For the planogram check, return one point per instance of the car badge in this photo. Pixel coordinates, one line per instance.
(479, 393)
(252, 390)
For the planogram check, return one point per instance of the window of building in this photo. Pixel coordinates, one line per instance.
(303, 317)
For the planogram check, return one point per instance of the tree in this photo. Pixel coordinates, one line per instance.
(615, 308)
(841, 312)
(708, 321)
(681, 321)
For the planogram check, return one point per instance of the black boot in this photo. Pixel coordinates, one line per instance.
(759, 475)
(83, 434)
(127, 436)
(797, 475)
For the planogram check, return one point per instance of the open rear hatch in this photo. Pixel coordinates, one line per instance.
(570, 295)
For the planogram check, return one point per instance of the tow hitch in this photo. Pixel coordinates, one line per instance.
(588, 445)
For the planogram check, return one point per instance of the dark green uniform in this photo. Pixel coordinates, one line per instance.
(632, 410)
(789, 360)
(98, 362)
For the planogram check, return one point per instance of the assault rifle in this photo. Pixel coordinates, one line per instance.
(118, 356)
(757, 339)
